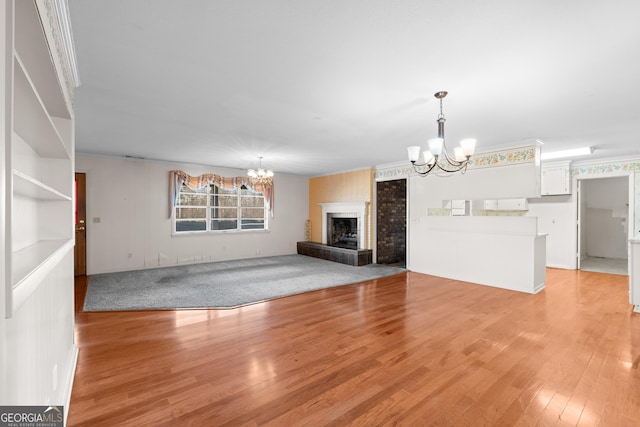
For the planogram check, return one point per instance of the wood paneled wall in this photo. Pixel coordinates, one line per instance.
(355, 186)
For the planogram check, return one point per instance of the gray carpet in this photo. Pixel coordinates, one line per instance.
(224, 284)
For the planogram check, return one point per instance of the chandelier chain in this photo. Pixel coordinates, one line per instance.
(441, 115)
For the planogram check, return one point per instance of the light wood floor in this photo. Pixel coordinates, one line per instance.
(409, 349)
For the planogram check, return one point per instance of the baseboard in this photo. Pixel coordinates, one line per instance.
(71, 374)
(561, 266)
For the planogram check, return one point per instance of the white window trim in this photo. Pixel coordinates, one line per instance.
(208, 220)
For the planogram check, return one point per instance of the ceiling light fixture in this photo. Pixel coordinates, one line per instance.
(260, 175)
(436, 157)
(583, 151)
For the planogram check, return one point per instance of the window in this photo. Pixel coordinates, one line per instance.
(218, 209)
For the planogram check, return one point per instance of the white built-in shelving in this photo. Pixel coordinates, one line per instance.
(39, 160)
(30, 187)
(38, 355)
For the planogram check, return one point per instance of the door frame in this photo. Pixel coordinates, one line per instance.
(630, 212)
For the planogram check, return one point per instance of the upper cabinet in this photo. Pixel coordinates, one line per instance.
(556, 179)
(494, 205)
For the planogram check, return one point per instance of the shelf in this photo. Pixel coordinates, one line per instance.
(31, 119)
(32, 265)
(27, 186)
(38, 258)
(33, 48)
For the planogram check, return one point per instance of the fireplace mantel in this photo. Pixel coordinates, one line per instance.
(354, 209)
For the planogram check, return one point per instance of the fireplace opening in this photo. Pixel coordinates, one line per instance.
(343, 233)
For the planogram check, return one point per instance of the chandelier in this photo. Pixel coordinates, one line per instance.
(436, 158)
(260, 175)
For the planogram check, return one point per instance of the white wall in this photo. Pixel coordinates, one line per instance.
(556, 218)
(557, 215)
(636, 203)
(505, 182)
(501, 251)
(4, 125)
(131, 199)
(499, 182)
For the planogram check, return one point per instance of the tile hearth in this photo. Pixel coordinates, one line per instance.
(355, 257)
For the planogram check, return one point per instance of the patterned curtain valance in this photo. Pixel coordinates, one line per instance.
(177, 178)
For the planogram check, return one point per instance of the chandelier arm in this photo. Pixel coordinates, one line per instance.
(425, 172)
(458, 168)
(449, 159)
(456, 163)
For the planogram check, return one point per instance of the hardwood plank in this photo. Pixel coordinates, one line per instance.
(409, 349)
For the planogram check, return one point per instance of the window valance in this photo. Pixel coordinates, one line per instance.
(177, 178)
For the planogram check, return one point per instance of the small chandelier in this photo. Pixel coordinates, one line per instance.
(436, 158)
(260, 175)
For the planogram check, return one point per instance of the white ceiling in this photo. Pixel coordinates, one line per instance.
(321, 86)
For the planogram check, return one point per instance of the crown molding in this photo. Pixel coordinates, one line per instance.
(57, 27)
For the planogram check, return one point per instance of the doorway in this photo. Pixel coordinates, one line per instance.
(80, 215)
(603, 225)
(391, 222)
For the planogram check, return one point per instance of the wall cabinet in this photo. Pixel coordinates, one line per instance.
(556, 179)
(490, 205)
(513, 205)
(457, 207)
(520, 204)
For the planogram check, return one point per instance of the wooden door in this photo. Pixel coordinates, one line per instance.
(80, 254)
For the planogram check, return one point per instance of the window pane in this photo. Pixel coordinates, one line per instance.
(223, 197)
(231, 209)
(252, 201)
(223, 191)
(225, 201)
(223, 224)
(199, 225)
(252, 224)
(247, 192)
(191, 197)
(224, 213)
(190, 213)
(256, 213)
